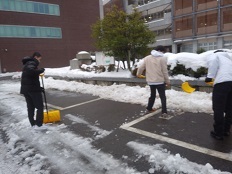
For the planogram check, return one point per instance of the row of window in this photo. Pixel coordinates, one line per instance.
(29, 7)
(182, 7)
(29, 32)
(155, 16)
(163, 31)
(206, 46)
(203, 23)
(181, 4)
(142, 2)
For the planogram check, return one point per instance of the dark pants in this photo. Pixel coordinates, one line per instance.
(161, 91)
(35, 101)
(222, 107)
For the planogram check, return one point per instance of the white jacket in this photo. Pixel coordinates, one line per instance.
(156, 68)
(220, 67)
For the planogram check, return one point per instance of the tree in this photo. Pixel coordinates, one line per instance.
(124, 36)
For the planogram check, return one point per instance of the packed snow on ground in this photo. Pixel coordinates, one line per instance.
(24, 151)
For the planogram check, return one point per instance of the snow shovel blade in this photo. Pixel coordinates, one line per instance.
(209, 83)
(187, 88)
(51, 116)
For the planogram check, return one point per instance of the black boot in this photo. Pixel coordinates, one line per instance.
(216, 136)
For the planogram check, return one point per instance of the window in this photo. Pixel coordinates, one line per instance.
(187, 48)
(207, 19)
(184, 23)
(226, 20)
(29, 7)
(13, 31)
(183, 27)
(131, 2)
(228, 44)
(163, 31)
(208, 46)
(181, 4)
(226, 2)
(227, 13)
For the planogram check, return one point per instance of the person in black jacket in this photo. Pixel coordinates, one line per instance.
(30, 88)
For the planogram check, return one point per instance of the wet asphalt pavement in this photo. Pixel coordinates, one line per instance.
(185, 133)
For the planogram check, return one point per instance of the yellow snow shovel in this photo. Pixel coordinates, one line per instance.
(52, 115)
(209, 83)
(187, 88)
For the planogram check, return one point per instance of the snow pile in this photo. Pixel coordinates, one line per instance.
(189, 60)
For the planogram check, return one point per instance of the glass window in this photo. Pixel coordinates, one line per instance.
(187, 48)
(20, 31)
(37, 31)
(227, 44)
(130, 2)
(29, 32)
(8, 31)
(32, 32)
(46, 9)
(226, 2)
(1, 31)
(43, 32)
(26, 32)
(51, 9)
(36, 7)
(1, 5)
(30, 7)
(24, 6)
(180, 4)
(208, 45)
(6, 5)
(18, 6)
(14, 32)
(57, 11)
(183, 27)
(12, 5)
(41, 8)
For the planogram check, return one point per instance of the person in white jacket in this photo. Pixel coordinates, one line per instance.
(156, 77)
(220, 69)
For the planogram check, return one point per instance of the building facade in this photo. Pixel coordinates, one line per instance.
(156, 15)
(186, 25)
(108, 4)
(203, 24)
(55, 28)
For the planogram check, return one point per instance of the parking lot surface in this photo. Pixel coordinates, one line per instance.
(186, 134)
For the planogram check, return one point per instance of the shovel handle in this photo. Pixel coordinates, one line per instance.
(46, 105)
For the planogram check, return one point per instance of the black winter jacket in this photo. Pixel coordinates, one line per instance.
(30, 76)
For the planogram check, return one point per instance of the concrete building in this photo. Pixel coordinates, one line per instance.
(57, 29)
(203, 24)
(185, 25)
(156, 14)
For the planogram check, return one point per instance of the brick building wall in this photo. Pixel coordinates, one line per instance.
(75, 21)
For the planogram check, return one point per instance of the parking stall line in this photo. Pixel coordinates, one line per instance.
(128, 127)
(55, 107)
(196, 148)
(72, 106)
(90, 101)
